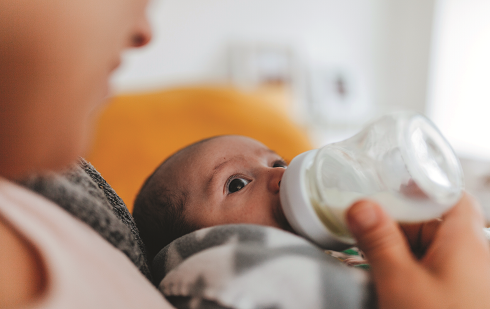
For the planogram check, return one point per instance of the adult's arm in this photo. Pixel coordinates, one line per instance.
(454, 272)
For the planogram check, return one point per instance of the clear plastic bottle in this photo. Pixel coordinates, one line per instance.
(401, 161)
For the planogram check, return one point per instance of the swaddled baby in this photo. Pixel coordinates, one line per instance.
(220, 180)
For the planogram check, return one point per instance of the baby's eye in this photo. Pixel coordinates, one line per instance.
(237, 184)
(280, 163)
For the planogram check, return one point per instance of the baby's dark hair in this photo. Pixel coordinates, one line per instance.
(159, 209)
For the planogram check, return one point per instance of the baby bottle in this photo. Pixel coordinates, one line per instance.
(401, 161)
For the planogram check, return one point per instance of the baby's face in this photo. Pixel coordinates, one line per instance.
(233, 179)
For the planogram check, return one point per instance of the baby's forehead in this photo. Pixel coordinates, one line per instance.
(200, 154)
(230, 142)
(191, 169)
(232, 149)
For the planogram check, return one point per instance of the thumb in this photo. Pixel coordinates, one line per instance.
(380, 238)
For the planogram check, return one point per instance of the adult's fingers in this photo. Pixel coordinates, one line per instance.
(467, 215)
(460, 237)
(380, 238)
(420, 235)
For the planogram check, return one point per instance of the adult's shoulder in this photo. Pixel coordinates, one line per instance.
(22, 270)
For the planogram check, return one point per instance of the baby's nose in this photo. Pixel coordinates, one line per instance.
(275, 179)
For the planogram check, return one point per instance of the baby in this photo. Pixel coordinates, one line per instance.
(220, 180)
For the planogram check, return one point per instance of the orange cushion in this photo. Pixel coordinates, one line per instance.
(135, 133)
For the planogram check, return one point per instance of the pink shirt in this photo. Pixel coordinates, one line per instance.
(83, 270)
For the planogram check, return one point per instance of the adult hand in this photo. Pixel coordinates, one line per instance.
(420, 235)
(454, 272)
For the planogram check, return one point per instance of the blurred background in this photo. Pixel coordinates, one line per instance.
(327, 66)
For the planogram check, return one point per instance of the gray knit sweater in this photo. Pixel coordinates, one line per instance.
(82, 192)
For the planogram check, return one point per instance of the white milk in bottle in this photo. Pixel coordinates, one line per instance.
(400, 161)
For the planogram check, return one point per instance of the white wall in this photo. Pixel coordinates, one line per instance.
(404, 32)
(191, 36)
(460, 96)
(382, 45)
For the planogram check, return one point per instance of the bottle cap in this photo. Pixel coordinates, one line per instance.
(297, 206)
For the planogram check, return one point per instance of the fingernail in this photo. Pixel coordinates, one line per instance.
(362, 216)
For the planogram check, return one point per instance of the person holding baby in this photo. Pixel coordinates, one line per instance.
(55, 61)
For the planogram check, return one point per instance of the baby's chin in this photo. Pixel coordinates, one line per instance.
(287, 227)
(281, 220)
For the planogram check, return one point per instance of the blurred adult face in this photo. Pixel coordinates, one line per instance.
(56, 57)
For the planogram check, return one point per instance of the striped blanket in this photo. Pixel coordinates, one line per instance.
(250, 266)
